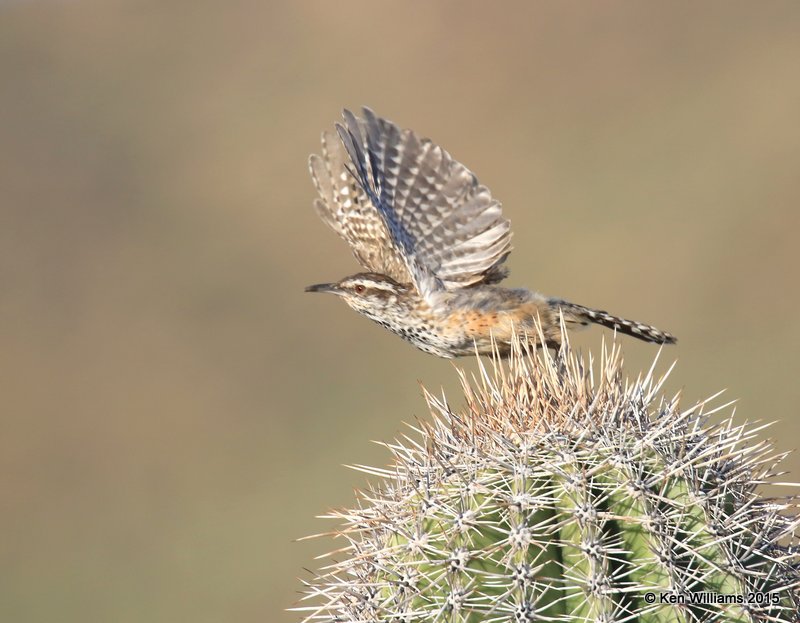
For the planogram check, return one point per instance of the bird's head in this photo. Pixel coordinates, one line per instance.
(371, 294)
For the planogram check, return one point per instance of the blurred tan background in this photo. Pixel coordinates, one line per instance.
(176, 410)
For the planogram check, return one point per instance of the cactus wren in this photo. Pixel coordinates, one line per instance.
(433, 242)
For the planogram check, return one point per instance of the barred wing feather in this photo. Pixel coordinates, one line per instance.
(445, 229)
(345, 208)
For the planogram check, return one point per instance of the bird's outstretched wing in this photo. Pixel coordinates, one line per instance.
(443, 226)
(344, 206)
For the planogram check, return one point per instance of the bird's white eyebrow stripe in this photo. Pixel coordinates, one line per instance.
(377, 285)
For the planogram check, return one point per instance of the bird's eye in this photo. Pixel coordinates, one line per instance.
(359, 289)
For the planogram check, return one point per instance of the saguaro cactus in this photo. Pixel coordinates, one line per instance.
(563, 493)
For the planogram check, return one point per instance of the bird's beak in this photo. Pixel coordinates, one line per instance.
(330, 288)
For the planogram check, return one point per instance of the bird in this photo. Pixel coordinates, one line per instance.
(433, 243)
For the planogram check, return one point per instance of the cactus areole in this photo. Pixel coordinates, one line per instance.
(563, 493)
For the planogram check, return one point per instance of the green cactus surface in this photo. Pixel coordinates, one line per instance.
(562, 493)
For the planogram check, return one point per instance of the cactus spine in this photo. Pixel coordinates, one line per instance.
(558, 496)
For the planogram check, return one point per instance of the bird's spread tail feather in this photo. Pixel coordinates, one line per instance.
(579, 313)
